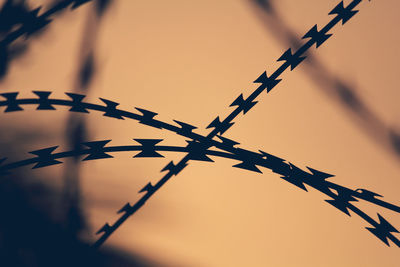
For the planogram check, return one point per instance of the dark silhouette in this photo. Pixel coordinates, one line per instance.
(18, 20)
(198, 147)
(32, 234)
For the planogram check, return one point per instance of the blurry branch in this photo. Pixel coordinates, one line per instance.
(335, 87)
(18, 20)
(76, 129)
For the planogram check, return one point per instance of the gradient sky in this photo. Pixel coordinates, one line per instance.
(188, 60)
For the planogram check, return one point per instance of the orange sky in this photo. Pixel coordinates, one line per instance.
(188, 60)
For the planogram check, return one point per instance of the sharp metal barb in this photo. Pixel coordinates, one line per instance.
(97, 150)
(198, 151)
(185, 127)
(45, 157)
(111, 109)
(11, 102)
(344, 14)
(383, 230)
(77, 105)
(291, 59)
(44, 103)
(220, 126)
(149, 148)
(318, 37)
(148, 117)
(243, 104)
(267, 82)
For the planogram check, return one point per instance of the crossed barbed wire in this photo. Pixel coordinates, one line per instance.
(199, 146)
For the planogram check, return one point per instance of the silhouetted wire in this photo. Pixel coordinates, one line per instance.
(329, 83)
(17, 20)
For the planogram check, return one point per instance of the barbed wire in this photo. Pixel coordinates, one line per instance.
(198, 147)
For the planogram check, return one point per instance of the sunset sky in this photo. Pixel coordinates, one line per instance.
(188, 60)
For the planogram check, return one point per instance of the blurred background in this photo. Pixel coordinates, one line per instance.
(337, 112)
